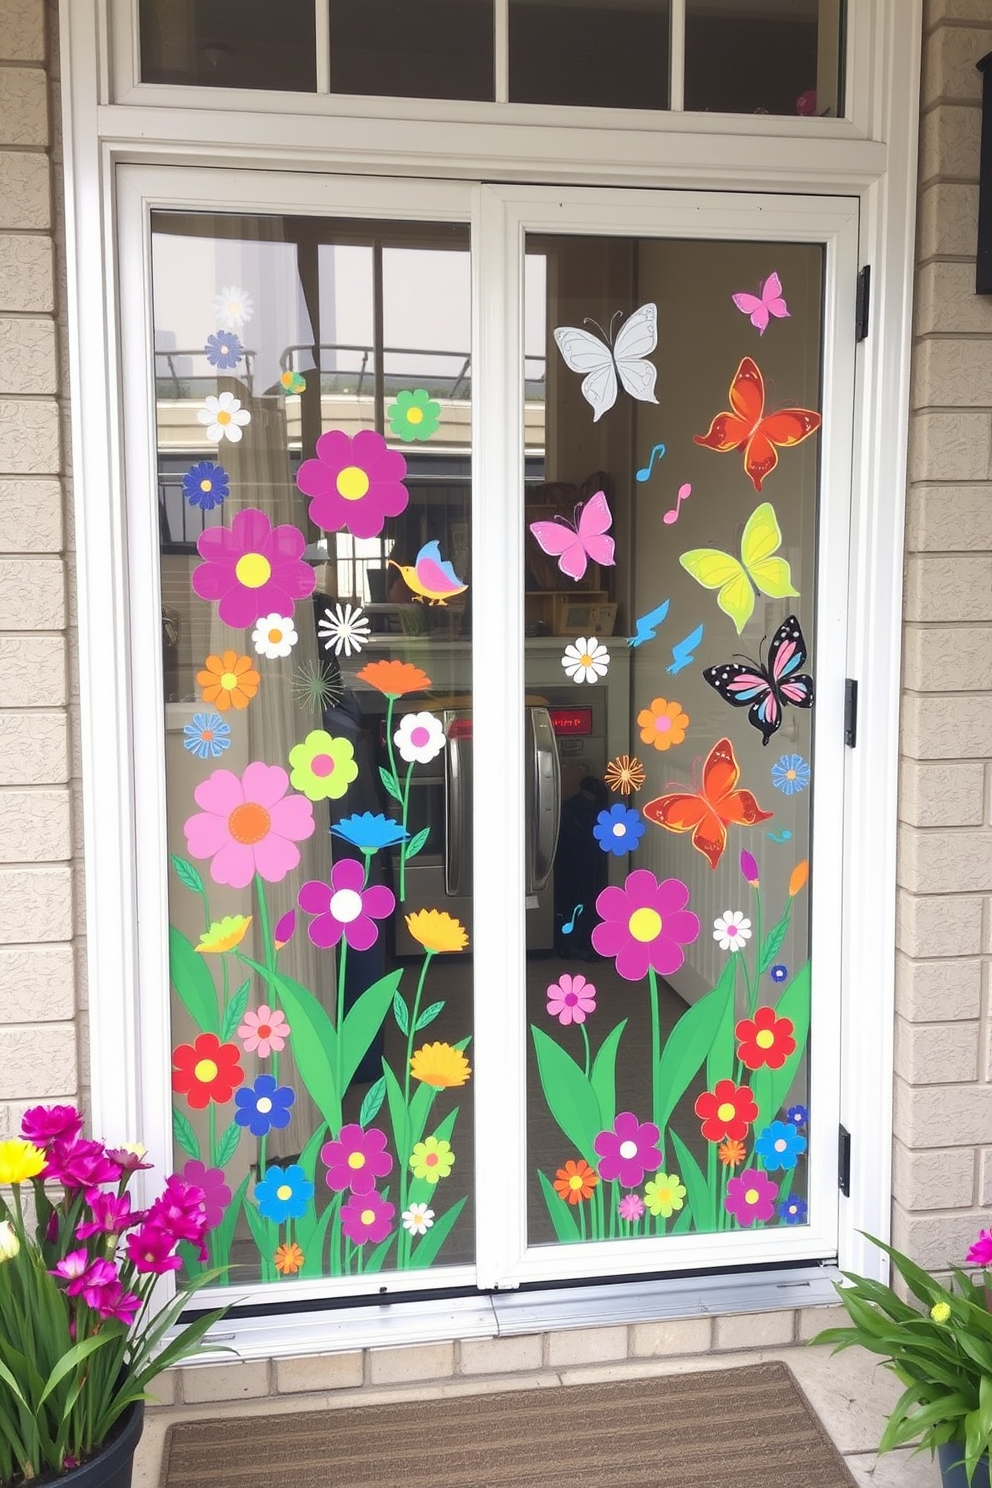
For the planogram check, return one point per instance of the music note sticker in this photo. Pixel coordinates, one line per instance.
(671, 517)
(569, 925)
(656, 454)
(779, 837)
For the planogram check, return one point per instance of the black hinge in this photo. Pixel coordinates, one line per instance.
(862, 302)
(844, 1161)
(850, 712)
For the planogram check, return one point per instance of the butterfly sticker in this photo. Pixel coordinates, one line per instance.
(576, 545)
(747, 427)
(768, 301)
(607, 363)
(709, 811)
(758, 570)
(765, 688)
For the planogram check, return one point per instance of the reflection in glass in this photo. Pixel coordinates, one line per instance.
(437, 49)
(596, 52)
(764, 57)
(229, 44)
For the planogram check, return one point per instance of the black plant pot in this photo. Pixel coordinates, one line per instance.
(111, 1466)
(952, 1473)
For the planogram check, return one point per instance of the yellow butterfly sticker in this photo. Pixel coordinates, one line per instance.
(757, 569)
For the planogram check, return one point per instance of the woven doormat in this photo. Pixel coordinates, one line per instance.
(720, 1428)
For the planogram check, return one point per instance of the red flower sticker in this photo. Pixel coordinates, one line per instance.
(206, 1070)
(766, 1040)
(727, 1111)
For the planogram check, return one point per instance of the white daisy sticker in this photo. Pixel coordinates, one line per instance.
(418, 1219)
(731, 930)
(419, 738)
(274, 636)
(586, 660)
(233, 307)
(344, 630)
(224, 418)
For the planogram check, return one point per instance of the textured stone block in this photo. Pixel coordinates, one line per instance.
(936, 862)
(952, 374)
(943, 925)
(949, 143)
(30, 515)
(949, 588)
(985, 1178)
(949, 446)
(36, 984)
(942, 795)
(948, 222)
(209, 1382)
(23, 106)
(22, 37)
(32, 594)
(28, 361)
(33, 748)
(32, 671)
(943, 1178)
(35, 826)
(30, 436)
(813, 1320)
(25, 191)
(26, 281)
(586, 1346)
(318, 1372)
(936, 1241)
(937, 991)
(37, 905)
(935, 727)
(521, 1355)
(946, 300)
(39, 1060)
(954, 659)
(670, 1337)
(956, 10)
(943, 1115)
(936, 1053)
(409, 1366)
(163, 1389)
(745, 1330)
(949, 57)
(949, 519)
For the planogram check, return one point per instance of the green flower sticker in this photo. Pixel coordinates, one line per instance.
(322, 767)
(414, 415)
(292, 382)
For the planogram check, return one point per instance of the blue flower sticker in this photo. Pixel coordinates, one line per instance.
(618, 830)
(779, 1146)
(207, 736)
(206, 485)
(790, 774)
(223, 351)
(793, 1211)
(284, 1193)
(370, 832)
(264, 1106)
(779, 973)
(798, 1115)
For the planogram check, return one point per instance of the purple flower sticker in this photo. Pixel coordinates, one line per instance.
(252, 568)
(216, 1194)
(366, 1217)
(355, 483)
(750, 1196)
(356, 1159)
(645, 924)
(344, 907)
(628, 1151)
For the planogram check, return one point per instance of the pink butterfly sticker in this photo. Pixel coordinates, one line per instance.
(760, 306)
(587, 541)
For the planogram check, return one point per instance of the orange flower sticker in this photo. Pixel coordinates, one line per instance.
(575, 1181)
(228, 681)
(731, 1152)
(394, 678)
(799, 876)
(288, 1258)
(663, 724)
(625, 773)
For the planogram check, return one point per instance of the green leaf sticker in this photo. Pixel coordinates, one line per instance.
(225, 1147)
(234, 1012)
(400, 1012)
(184, 1133)
(428, 1016)
(374, 1098)
(416, 844)
(389, 781)
(192, 982)
(187, 874)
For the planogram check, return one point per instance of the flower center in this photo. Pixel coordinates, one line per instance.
(223, 416)
(253, 570)
(264, 1031)
(352, 483)
(570, 999)
(726, 1111)
(275, 635)
(346, 905)
(585, 659)
(781, 1145)
(322, 765)
(751, 1196)
(206, 485)
(628, 1150)
(206, 1070)
(356, 1160)
(730, 930)
(645, 924)
(664, 1195)
(249, 823)
(619, 830)
(229, 681)
(284, 1192)
(662, 723)
(765, 1039)
(263, 1104)
(206, 735)
(415, 415)
(420, 736)
(575, 1182)
(790, 774)
(430, 1160)
(368, 1216)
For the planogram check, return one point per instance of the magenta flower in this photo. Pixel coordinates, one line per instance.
(366, 1217)
(285, 929)
(631, 1207)
(570, 999)
(645, 924)
(248, 826)
(628, 1151)
(111, 1215)
(73, 1268)
(43, 1125)
(263, 1031)
(750, 1196)
(101, 1274)
(252, 568)
(129, 1159)
(345, 907)
(980, 1253)
(78, 1163)
(355, 483)
(216, 1194)
(112, 1301)
(355, 1159)
(749, 868)
(152, 1249)
(181, 1210)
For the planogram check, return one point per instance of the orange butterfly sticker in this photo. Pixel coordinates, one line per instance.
(708, 813)
(750, 429)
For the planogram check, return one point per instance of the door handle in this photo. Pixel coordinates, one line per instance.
(544, 798)
(458, 804)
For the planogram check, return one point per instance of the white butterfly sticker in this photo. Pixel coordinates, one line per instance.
(603, 364)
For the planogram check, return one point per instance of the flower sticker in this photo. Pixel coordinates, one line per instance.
(252, 568)
(731, 930)
(206, 485)
(779, 973)
(575, 1181)
(798, 1115)
(233, 307)
(228, 681)
(437, 931)
(345, 907)
(288, 1258)
(274, 636)
(414, 415)
(727, 1111)
(619, 830)
(628, 1151)
(440, 1065)
(206, 1070)
(625, 774)
(780, 1146)
(264, 1106)
(419, 738)
(571, 999)
(663, 724)
(344, 630)
(263, 1031)
(791, 774)
(216, 1194)
(645, 924)
(418, 1219)
(370, 832)
(291, 383)
(394, 678)
(731, 1153)
(224, 935)
(354, 483)
(224, 418)
(631, 1207)
(432, 1159)
(248, 825)
(207, 736)
(284, 1193)
(665, 1193)
(323, 767)
(765, 1040)
(586, 660)
(356, 1159)
(792, 1211)
(750, 1196)
(367, 1217)
(223, 351)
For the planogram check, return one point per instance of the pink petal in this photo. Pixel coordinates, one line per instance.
(252, 530)
(234, 865)
(613, 904)
(239, 607)
(205, 834)
(275, 857)
(378, 901)
(293, 818)
(314, 897)
(361, 933)
(348, 873)
(334, 452)
(286, 546)
(673, 894)
(665, 954)
(682, 925)
(264, 784)
(212, 580)
(641, 888)
(218, 545)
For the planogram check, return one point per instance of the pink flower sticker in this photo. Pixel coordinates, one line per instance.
(355, 483)
(252, 569)
(248, 825)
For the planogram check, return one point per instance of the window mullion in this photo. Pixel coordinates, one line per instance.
(322, 42)
(501, 50)
(676, 57)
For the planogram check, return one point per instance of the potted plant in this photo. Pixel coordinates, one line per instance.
(942, 1354)
(81, 1338)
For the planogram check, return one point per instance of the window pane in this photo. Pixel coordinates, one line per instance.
(595, 52)
(437, 49)
(764, 56)
(229, 43)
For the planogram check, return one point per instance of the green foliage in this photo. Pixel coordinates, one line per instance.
(193, 982)
(234, 1012)
(571, 1099)
(690, 1042)
(417, 843)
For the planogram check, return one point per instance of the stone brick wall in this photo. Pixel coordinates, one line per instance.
(942, 1184)
(41, 964)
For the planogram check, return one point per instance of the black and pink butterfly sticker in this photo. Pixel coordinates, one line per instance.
(765, 687)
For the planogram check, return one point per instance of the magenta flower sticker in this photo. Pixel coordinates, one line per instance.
(628, 1151)
(216, 1194)
(750, 1196)
(355, 483)
(345, 907)
(252, 568)
(570, 998)
(356, 1159)
(645, 924)
(248, 826)
(366, 1217)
